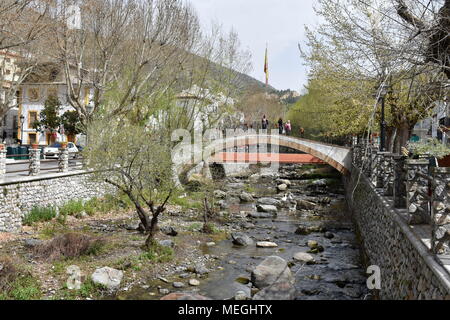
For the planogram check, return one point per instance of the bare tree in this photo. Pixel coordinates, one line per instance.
(432, 20)
(125, 50)
(23, 30)
(364, 41)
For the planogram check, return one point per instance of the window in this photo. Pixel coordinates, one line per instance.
(32, 118)
(32, 138)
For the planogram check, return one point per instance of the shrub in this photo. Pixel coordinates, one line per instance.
(71, 208)
(69, 245)
(39, 214)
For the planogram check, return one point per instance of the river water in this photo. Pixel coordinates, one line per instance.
(338, 273)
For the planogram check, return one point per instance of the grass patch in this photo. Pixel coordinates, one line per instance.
(39, 214)
(50, 230)
(186, 203)
(17, 283)
(250, 189)
(72, 208)
(196, 226)
(87, 289)
(158, 254)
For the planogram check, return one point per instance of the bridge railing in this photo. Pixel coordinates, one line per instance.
(418, 189)
(33, 165)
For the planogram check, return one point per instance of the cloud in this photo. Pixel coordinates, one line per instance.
(278, 23)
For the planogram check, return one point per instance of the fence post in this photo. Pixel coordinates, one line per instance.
(367, 160)
(416, 203)
(2, 163)
(357, 155)
(388, 174)
(440, 211)
(375, 164)
(63, 160)
(381, 168)
(35, 162)
(399, 182)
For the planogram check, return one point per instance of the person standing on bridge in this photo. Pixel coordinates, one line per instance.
(288, 127)
(280, 126)
(264, 123)
(302, 132)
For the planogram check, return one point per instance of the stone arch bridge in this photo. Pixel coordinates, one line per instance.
(336, 156)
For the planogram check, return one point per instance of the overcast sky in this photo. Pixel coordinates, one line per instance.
(278, 22)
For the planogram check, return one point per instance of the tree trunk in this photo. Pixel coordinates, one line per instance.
(403, 136)
(152, 229)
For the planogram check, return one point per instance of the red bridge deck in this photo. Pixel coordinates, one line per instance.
(264, 157)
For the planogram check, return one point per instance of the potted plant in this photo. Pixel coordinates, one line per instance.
(35, 146)
(63, 144)
(431, 148)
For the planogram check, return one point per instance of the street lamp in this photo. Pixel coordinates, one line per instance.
(383, 93)
(22, 119)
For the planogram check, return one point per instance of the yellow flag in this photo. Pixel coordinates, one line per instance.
(266, 68)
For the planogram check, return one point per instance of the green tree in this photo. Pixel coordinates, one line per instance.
(71, 122)
(137, 161)
(49, 118)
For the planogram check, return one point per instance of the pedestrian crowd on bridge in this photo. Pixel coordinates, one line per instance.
(284, 128)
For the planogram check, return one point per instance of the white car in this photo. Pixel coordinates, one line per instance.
(52, 151)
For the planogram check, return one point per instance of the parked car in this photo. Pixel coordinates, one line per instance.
(52, 151)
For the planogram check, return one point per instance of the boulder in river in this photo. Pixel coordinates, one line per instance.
(305, 205)
(246, 197)
(282, 290)
(284, 181)
(194, 282)
(329, 235)
(178, 285)
(266, 208)
(273, 269)
(282, 187)
(200, 269)
(241, 239)
(260, 215)
(304, 257)
(312, 244)
(266, 244)
(303, 230)
(241, 296)
(269, 201)
(107, 277)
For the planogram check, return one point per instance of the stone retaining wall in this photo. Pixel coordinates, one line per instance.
(19, 197)
(408, 269)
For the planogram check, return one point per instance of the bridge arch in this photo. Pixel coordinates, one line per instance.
(336, 156)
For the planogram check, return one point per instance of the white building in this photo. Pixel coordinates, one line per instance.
(8, 75)
(434, 127)
(33, 94)
(203, 110)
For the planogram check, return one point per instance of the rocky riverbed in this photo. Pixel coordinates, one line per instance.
(290, 238)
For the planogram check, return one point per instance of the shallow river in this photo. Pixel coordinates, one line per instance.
(338, 271)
